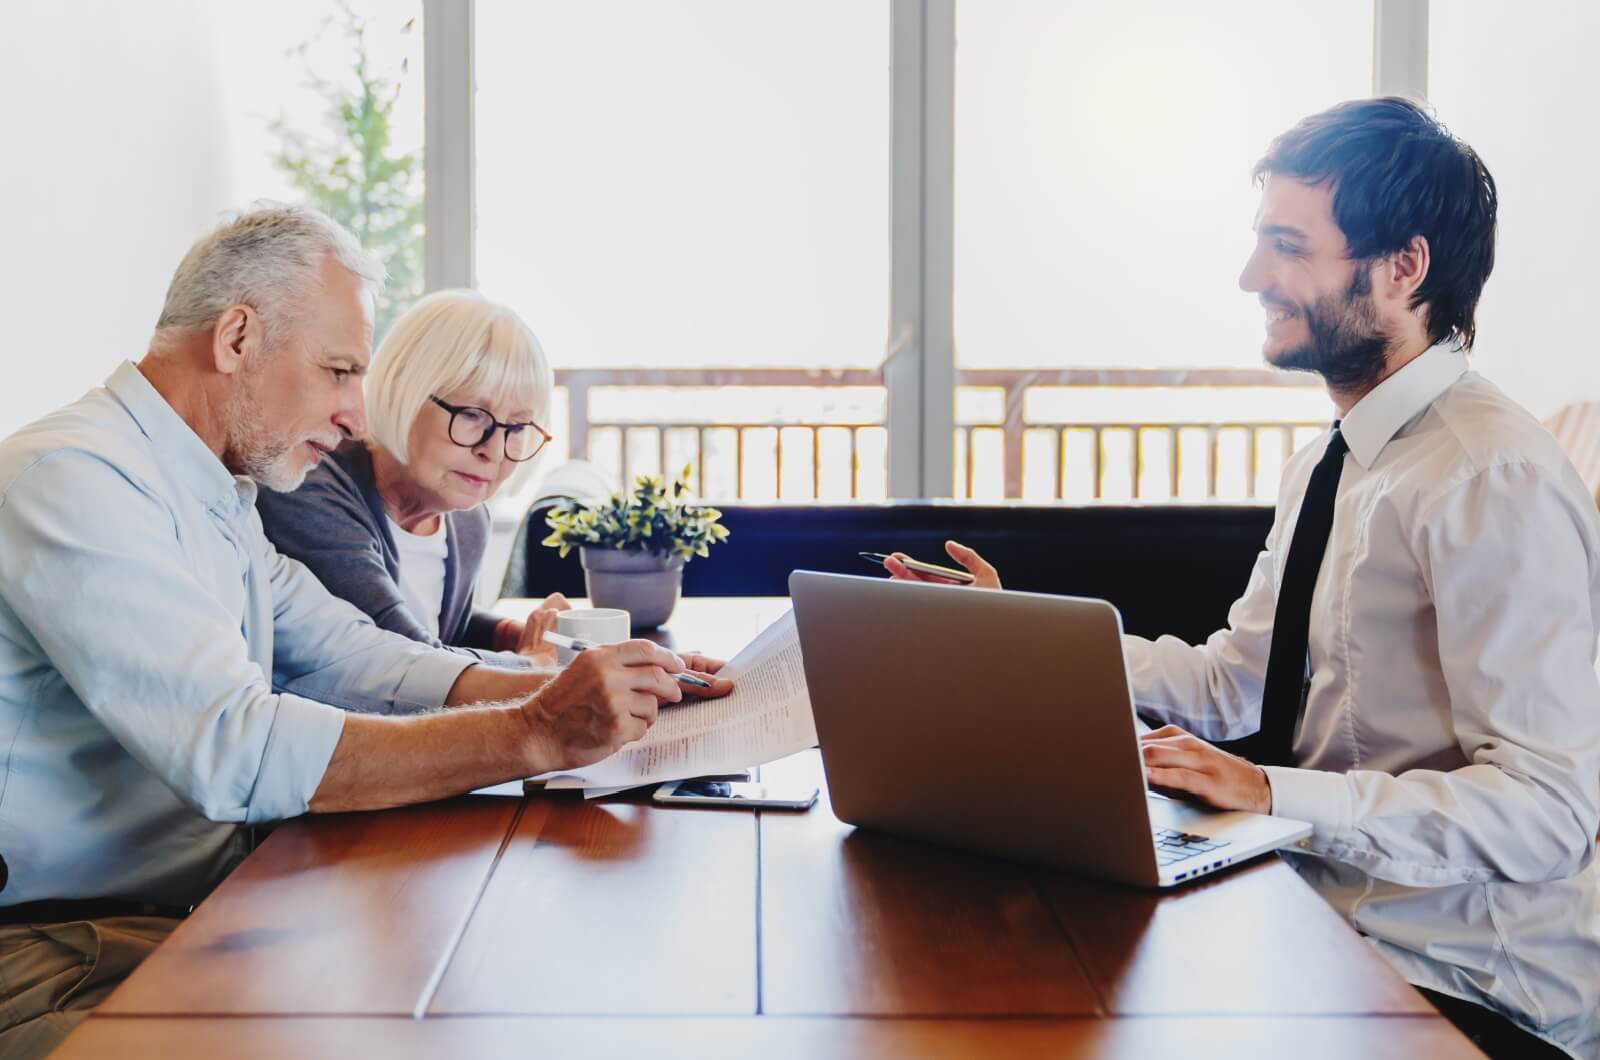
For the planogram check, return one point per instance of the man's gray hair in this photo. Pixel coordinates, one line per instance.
(268, 258)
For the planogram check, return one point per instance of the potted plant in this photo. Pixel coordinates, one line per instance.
(634, 546)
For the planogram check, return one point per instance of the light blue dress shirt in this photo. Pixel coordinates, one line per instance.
(165, 675)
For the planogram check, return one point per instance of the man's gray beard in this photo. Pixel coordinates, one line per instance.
(271, 468)
(252, 451)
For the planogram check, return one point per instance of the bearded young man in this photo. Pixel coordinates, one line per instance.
(1415, 650)
(166, 677)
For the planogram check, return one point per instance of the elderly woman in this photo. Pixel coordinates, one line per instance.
(396, 523)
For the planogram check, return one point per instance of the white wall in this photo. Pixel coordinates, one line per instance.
(110, 166)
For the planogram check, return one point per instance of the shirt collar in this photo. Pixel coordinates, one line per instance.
(1390, 405)
(182, 453)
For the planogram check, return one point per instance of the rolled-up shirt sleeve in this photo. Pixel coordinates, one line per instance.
(154, 656)
(1509, 576)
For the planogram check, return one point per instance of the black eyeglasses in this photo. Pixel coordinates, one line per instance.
(470, 427)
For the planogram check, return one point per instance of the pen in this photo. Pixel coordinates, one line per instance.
(948, 573)
(561, 640)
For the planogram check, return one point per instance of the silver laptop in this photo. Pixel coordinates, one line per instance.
(1002, 722)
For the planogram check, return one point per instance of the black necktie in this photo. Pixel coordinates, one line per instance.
(1291, 623)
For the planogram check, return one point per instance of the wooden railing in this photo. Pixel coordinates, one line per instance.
(844, 457)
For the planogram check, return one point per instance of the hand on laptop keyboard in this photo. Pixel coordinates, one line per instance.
(1178, 762)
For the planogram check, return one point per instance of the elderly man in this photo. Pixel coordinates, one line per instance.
(166, 676)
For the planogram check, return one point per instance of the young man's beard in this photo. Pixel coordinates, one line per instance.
(1347, 346)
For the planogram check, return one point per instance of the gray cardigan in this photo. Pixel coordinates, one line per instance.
(335, 524)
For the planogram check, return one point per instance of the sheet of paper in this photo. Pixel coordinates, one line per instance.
(511, 788)
(568, 782)
(600, 793)
(765, 717)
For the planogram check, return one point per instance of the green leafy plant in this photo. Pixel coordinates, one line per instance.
(354, 174)
(650, 519)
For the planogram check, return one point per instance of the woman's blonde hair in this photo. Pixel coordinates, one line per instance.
(449, 341)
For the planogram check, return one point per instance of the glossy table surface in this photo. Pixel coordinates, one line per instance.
(548, 925)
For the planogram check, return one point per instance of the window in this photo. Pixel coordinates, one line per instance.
(687, 204)
(326, 110)
(1102, 215)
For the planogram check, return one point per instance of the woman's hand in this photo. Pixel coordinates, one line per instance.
(541, 620)
(552, 603)
(706, 668)
(529, 637)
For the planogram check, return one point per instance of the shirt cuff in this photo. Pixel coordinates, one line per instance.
(1321, 799)
(428, 680)
(507, 660)
(298, 749)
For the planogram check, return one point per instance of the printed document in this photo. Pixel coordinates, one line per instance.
(767, 716)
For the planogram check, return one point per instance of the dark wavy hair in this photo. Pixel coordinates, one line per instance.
(1397, 173)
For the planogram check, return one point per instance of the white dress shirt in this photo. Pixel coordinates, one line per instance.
(1449, 750)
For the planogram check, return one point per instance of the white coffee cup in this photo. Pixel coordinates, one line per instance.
(597, 625)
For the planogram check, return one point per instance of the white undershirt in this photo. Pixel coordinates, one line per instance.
(422, 571)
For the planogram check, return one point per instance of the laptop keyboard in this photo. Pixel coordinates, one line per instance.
(1173, 846)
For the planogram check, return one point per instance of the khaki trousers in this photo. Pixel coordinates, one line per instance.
(53, 975)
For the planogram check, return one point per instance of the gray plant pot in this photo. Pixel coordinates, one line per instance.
(641, 583)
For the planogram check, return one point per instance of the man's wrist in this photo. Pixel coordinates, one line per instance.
(1266, 790)
(535, 743)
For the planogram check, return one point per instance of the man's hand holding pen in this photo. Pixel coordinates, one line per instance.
(984, 576)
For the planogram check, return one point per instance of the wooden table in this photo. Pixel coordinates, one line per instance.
(550, 926)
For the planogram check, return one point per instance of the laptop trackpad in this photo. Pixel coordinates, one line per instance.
(1190, 817)
(1250, 833)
